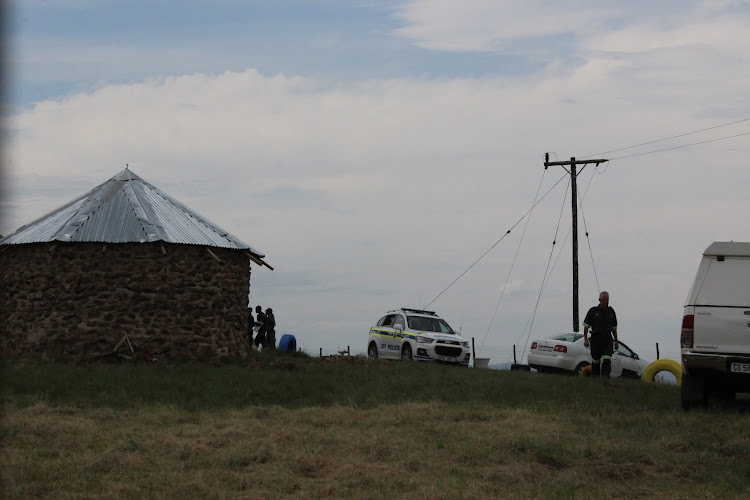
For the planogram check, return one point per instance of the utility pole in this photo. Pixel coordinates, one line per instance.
(573, 163)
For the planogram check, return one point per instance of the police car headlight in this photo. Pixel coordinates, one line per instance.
(425, 340)
(465, 344)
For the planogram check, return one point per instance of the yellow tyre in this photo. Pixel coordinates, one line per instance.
(662, 365)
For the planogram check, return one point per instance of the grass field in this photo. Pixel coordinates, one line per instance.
(298, 427)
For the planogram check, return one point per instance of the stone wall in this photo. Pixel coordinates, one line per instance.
(78, 300)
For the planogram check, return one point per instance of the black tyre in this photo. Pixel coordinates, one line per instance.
(372, 351)
(694, 391)
(406, 353)
(727, 396)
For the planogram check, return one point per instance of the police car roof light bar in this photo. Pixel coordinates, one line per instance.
(418, 311)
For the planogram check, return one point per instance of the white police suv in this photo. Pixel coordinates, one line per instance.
(414, 334)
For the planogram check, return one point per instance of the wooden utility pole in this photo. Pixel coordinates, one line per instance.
(573, 163)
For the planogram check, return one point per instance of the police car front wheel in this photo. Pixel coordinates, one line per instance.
(406, 353)
(372, 351)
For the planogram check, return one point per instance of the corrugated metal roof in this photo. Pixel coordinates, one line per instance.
(126, 209)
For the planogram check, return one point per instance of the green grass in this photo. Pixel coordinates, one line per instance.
(277, 426)
(300, 381)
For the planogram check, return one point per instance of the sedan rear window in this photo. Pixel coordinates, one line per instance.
(567, 337)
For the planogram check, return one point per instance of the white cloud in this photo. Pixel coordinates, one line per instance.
(486, 25)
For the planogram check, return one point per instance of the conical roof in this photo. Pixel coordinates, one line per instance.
(126, 209)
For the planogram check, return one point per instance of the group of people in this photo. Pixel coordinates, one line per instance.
(263, 325)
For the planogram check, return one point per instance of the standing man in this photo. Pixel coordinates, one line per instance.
(260, 322)
(603, 323)
(270, 329)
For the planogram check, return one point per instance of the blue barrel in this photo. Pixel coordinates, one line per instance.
(288, 343)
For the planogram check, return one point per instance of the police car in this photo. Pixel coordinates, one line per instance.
(414, 334)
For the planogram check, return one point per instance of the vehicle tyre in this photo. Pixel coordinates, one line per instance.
(406, 353)
(288, 343)
(662, 365)
(694, 392)
(372, 351)
(581, 367)
(725, 395)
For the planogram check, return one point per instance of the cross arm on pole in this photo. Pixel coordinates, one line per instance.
(576, 162)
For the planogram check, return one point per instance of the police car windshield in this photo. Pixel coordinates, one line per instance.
(425, 324)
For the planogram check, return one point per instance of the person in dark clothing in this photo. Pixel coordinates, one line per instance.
(602, 321)
(270, 329)
(260, 322)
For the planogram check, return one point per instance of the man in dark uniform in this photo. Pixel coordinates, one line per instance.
(270, 326)
(260, 322)
(602, 321)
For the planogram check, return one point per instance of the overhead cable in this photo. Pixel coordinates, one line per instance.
(678, 147)
(510, 271)
(546, 270)
(497, 242)
(668, 138)
(586, 229)
(548, 275)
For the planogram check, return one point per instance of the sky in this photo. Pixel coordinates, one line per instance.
(378, 153)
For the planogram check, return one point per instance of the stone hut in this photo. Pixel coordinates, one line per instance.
(125, 270)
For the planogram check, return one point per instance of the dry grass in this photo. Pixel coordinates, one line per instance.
(412, 450)
(280, 427)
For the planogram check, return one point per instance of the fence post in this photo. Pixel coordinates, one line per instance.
(321, 352)
(657, 350)
(473, 352)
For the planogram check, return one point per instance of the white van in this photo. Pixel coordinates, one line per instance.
(715, 336)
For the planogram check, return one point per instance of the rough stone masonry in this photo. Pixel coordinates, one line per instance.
(79, 300)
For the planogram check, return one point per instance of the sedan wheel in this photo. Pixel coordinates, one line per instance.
(406, 353)
(372, 351)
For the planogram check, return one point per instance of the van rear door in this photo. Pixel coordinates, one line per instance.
(722, 305)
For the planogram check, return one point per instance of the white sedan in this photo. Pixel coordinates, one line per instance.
(566, 353)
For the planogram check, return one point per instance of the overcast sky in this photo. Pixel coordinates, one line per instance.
(375, 150)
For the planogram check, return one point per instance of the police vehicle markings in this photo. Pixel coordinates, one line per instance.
(392, 333)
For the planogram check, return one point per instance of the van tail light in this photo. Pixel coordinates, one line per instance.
(560, 348)
(533, 345)
(686, 337)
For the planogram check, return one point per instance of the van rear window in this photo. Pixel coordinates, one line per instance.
(727, 283)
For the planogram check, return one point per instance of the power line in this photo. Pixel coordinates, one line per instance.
(510, 271)
(554, 265)
(560, 252)
(570, 228)
(546, 270)
(678, 147)
(497, 242)
(673, 137)
(591, 253)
